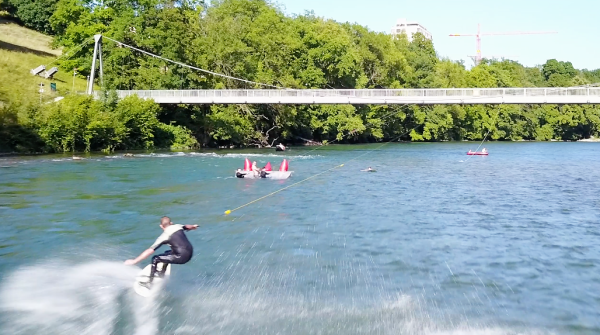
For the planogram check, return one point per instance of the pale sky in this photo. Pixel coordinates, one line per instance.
(576, 21)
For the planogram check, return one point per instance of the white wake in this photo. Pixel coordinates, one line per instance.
(89, 298)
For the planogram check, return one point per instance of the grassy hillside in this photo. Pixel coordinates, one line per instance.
(78, 122)
(21, 50)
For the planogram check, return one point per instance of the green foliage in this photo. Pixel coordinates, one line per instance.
(255, 40)
(80, 123)
(335, 122)
(591, 76)
(437, 123)
(231, 124)
(175, 137)
(140, 119)
(423, 59)
(65, 125)
(449, 74)
(16, 136)
(481, 76)
(34, 14)
(558, 74)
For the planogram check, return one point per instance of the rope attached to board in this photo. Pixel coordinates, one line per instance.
(485, 137)
(229, 211)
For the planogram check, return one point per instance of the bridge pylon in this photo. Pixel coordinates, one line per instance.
(97, 55)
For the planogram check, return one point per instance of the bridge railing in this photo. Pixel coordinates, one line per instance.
(367, 93)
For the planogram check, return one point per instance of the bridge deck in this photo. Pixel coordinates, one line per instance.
(449, 96)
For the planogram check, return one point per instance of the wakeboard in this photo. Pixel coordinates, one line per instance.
(157, 283)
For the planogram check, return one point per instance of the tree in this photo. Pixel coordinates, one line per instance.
(450, 74)
(558, 73)
(34, 14)
(254, 40)
(422, 58)
(480, 76)
(592, 76)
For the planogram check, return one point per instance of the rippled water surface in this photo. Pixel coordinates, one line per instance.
(434, 242)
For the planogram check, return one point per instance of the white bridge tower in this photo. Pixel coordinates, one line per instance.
(97, 55)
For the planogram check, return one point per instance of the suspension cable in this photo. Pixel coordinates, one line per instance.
(190, 66)
(72, 51)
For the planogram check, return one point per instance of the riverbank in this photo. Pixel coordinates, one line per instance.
(252, 149)
(297, 152)
(591, 139)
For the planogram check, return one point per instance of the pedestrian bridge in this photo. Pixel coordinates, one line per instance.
(430, 96)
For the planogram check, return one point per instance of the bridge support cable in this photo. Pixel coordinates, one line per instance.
(190, 66)
(235, 78)
(274, 94)
(71, 52)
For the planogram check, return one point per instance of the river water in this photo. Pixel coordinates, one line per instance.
(434, 242)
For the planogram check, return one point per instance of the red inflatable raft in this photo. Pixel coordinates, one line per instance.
(477, 153)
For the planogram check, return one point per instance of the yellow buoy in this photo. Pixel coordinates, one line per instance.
(227, 212)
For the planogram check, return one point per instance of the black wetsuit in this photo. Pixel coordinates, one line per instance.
(181, 248)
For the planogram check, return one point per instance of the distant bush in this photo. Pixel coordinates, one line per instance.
(175, 137)
(17, 135)
(80, 123)
(139, 118)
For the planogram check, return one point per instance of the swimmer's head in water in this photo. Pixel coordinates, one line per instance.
(165, 221)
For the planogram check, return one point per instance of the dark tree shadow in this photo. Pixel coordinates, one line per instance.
(18, 48)
(15, 138)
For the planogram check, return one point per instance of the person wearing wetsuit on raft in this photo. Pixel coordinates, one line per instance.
(181, 248)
